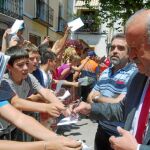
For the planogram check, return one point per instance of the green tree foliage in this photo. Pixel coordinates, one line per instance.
(113, 10)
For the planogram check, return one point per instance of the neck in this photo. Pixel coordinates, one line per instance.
(16, 80)
(118, 67)
(45, 68)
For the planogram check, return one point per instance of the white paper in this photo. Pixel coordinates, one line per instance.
(75, 24)
(66, 95)
(67, 121)
(3, 63)
(84, 146)
(16, 26)
(73, 118)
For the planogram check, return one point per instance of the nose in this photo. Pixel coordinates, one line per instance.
(35, 60)
(25, 67)
(115, 50)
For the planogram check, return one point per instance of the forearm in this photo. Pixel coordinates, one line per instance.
(26, 105)
(4, 44)
(13, 145)
(36, 129)
(67, 83)
(49, 96)
(58, 46)
(107, 100)
(36, 98)
(25, 123)
(76, 75)
(107, 111)
(79, 68)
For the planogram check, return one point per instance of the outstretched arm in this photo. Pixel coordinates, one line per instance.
(51, 140)
(24, 122)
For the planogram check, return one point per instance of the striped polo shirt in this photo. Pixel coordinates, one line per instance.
(112, 85)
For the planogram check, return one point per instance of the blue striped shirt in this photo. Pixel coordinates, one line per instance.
(111, 85)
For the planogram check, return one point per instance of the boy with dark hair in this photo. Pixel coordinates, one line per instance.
(22, 85)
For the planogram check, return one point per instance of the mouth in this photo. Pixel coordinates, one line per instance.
(25, 74)
(114, 57)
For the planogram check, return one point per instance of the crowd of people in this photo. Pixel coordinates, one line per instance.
(117, 97)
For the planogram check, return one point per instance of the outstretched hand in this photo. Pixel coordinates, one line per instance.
(83, 108)
(63, 143)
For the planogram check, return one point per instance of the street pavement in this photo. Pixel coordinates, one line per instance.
(84, 130)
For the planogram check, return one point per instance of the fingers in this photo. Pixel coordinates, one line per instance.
(112, 140)
(121, 131)
(73, 144)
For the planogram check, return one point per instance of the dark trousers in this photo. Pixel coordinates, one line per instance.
(102, 140)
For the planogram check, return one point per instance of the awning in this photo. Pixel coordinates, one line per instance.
(81, 3)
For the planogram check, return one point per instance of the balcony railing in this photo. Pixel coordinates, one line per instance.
(12, 8)
(44, 13)
(62, 24)
(89, 25)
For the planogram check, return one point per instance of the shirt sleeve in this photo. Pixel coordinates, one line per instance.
(138, 147)
(36, 86)
(3, 103)
(6, 91)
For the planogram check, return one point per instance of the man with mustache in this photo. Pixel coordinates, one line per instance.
(112, 87)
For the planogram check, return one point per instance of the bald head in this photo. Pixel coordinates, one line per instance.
(138, 25)
(137, 33)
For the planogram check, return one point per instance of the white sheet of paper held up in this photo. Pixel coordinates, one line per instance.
(75, 24)
(15, 27)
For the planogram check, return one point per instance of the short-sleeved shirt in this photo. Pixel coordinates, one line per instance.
(47, 78)
(28, 87)
(61, 68)
(89, 69)
(3, 103)
(39, 76)
(112, 85)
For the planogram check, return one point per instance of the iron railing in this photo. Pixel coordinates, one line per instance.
(44, 12)
(12, 8)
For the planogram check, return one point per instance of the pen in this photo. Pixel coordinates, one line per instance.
(77, 102)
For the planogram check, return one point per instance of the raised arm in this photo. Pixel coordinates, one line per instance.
(58, 45)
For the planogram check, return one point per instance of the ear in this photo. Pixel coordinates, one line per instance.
(9, 67)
